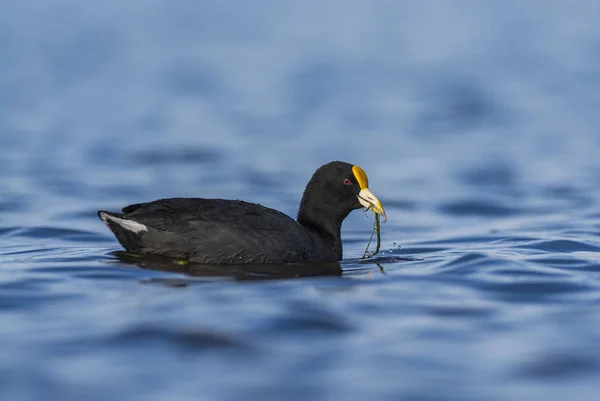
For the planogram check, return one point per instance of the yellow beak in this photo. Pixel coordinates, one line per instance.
(365, 196)
(370, 201)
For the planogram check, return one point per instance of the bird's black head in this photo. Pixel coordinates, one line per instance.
(335, 189)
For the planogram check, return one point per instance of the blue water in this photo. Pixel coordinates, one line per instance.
(477, 124)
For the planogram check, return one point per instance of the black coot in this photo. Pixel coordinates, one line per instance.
(219, 231)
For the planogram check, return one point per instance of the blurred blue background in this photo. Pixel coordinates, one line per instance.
(476, 121)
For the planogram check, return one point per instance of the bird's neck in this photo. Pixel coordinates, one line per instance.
(325, 226)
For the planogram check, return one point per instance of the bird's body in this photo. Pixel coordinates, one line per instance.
(219, 231)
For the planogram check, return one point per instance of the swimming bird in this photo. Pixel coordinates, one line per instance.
(220, 231)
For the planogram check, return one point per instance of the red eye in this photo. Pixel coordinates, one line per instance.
(347, 182)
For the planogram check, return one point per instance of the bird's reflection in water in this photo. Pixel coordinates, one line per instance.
(237, 272)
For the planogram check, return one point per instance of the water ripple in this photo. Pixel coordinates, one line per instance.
(488, 280)
(484, 208)
(560, 246)
(185, 339)
(560, 366)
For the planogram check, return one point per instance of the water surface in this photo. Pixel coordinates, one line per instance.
(477, 125)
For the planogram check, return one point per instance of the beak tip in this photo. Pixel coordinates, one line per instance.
(370, 202)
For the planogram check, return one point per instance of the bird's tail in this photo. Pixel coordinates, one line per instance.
(128, 232)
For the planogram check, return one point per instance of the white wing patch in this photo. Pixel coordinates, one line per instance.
(126, 224)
